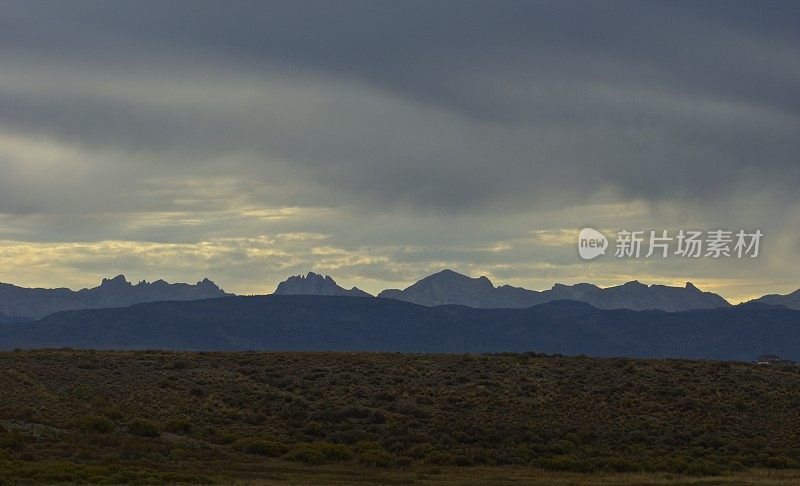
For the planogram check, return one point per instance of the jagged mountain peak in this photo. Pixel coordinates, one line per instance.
(207, 283)
(112, 292)
(449, 287)
(116, 282)
(316, 284)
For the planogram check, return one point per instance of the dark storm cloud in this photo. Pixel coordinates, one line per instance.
(652, 99)
(406, 134)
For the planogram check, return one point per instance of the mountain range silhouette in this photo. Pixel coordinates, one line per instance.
(446, 287)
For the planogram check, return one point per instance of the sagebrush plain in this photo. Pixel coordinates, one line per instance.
(153, 417)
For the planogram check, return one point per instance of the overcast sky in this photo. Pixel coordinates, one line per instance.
(381, 141)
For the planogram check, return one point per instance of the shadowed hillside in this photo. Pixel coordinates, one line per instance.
(318, 323)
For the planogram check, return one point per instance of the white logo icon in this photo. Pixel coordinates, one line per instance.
(591, 243)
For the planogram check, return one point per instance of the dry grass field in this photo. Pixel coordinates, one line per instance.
(348, 418)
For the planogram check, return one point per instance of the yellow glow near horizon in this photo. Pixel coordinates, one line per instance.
(257, 264)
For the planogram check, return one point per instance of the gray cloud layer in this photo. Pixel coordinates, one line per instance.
(410, 134)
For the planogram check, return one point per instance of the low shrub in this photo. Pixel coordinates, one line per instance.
(421, 451)
(376, 458)
(335, 452)
(305, 453)
(143, 428)
(178, 426)
(96, 425)
(180, 365)
(439, 459)
(262, 447)
(112, 413)
(13, 440)
(319, 452)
